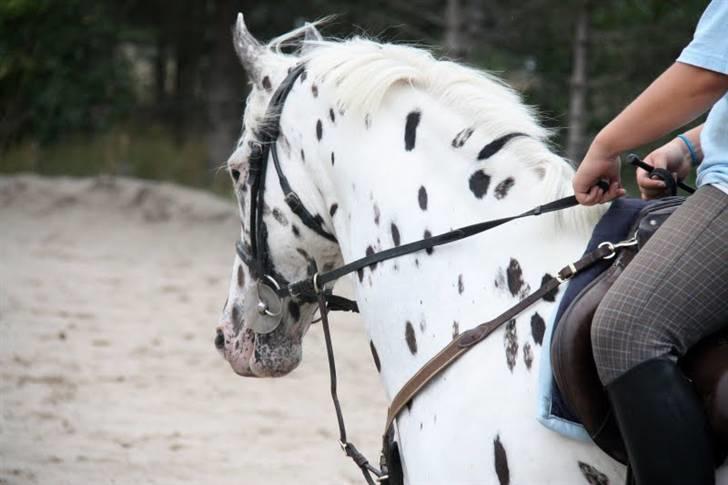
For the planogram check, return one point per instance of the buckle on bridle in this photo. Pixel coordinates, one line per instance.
(293, 201)
(306, 290)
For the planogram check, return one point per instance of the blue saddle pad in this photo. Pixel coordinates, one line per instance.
(614, 226)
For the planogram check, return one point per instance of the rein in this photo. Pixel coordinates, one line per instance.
(272, 287)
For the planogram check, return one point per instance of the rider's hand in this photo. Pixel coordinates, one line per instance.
(675, 158)
(597, 165)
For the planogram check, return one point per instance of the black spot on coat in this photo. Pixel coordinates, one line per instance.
(427, 235)
(266, 83)
(527, 355)
(515, 277)
(461, 138)
(538, 328)
(319, 130)
(303, 76)
(409, 336)
(314, 90)
(280, 217)
(422, 198)
(592, 475)
(241, 276)
(461, 285)
(551, 295)
(455, 329)
(237, 320)
(501, 190)
(493, 147)
(303, 156)
(479, 183)
(377, 214)
(333, 209)
(370, 252)
(294, 310)
(511, 344)
(395, 234)
(296, 231)
(332, 159)
(410, 130)
(375, 356)
(501, 462)
(332, 116)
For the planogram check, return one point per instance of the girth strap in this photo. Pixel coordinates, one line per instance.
(466, 340)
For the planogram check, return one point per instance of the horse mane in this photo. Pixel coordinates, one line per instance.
(362, 71)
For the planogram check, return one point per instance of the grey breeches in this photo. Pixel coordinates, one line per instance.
(672, 294)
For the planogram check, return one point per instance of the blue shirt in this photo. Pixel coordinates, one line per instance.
(709, 50)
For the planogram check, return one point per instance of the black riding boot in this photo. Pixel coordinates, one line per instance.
(663, 424)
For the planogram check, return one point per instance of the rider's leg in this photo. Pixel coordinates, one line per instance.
(674, 293)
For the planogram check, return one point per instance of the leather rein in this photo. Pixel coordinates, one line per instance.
(273, 288)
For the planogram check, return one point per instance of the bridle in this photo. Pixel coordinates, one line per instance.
(273, 288)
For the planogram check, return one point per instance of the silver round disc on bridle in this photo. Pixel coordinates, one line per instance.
(269, 308)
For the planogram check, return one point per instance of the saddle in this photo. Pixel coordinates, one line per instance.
(575, 373)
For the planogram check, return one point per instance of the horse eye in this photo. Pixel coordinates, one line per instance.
(235, 174)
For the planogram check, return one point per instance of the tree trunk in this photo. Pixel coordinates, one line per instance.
(576, 144)
(454, 38)
(224, 88)
(473, 27)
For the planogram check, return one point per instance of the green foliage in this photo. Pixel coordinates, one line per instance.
(70, 102)
(60, 69)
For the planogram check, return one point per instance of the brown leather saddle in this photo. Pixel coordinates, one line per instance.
(575, 372)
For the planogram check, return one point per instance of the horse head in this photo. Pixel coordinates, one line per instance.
(260, 333)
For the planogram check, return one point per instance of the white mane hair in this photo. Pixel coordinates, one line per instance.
(362, 71)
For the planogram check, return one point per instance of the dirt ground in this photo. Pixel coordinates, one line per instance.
(110, 290)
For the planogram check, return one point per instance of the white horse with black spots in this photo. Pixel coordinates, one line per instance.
(387, 145)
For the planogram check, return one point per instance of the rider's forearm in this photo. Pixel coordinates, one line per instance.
(681, 94)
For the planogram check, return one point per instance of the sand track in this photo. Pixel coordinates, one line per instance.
(110, 290)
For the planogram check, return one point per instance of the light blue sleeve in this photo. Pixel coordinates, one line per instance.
(709, 47)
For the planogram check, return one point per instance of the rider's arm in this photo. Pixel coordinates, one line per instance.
(681, 94)
(678, 96)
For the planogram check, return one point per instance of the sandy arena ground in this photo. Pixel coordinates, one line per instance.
(110, 290)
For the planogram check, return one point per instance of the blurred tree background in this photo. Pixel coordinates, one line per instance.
(152, 88)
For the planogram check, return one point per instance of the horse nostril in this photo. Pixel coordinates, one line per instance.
(235, 174)
(219, 340)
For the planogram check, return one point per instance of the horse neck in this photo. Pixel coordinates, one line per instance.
(386, 187)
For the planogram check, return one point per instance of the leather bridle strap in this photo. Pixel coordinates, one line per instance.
(469, 338)
(351, 451)
(261, 149)
(309, 288)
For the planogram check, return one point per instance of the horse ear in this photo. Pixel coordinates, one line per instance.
(249, 50)
(311, 34)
